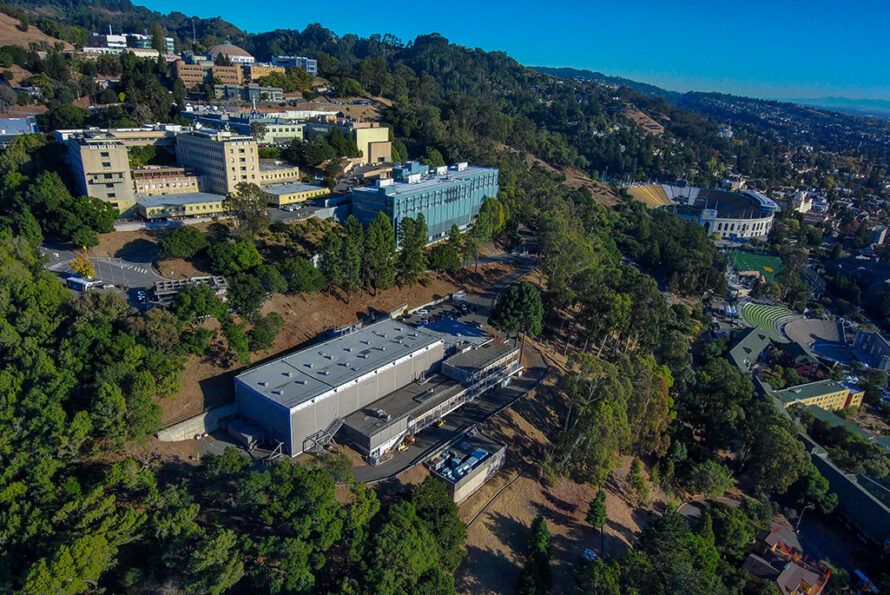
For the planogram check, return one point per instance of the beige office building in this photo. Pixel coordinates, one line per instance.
(373, 141)
(278, 172)
(101, 169)
(254, 72)
(222, 159)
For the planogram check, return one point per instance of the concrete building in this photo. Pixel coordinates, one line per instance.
(827, 394)
(177, 206)
(141, 40)
(256, 70)
(447, 196)
(467, 465)
(195, 75)
(101, 169)
(165, 291)
(222, 159)
(13, 127)
(308, 64)
(158, 180)
(373, 141)
(277, 172)
(249, 92)
(378, 384)
(285, 194)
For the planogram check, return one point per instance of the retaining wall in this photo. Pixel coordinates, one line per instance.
(203, 422)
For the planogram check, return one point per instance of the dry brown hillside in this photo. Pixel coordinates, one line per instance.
(11, 35)
(574, 179)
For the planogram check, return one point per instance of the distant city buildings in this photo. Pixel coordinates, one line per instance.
(250, 92)
(13, 127)
(310, 65)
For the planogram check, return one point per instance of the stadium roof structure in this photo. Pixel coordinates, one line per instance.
(299, 377)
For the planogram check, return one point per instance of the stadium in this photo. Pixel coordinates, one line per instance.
(746, 214)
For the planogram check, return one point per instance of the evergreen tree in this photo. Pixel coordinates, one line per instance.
(597, 515)
(380, 253)
(330, 259)
(351, 256)
(412, 239)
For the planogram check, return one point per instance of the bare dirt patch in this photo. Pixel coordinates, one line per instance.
(12, 35)
(496, 538)
(643, 120)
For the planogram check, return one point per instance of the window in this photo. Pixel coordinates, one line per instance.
(104, 154)
(106, 164)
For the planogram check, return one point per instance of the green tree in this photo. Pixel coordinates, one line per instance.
(380, 253)
(710, 478)
(331, 259)
(597, 515)
(236, 340)
(262, 335)
(300, 276)
(183, 242)
(231, 258)
(196, 301)
(246, 295)
(412, 235)
(519, 311)
(638, 482)
(215, 564)
(248, 206)
(352, 248)
(157, 38)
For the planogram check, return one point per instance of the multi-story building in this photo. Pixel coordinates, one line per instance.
(371, 138)
(273, 171)
(100, 163)
(249, 92)
(257, 70)
(222, 159)
(308, 64)
(373, 141)
(158, 180)
(378, 383)
(194, 75)
(273, 131)
(101, 168)
(177, 206)
(141, 40)
(827, 394)
(285, 194)
(446, 196)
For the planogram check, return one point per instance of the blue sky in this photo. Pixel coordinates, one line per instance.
(781, 49)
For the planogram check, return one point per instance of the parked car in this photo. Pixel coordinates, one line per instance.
(423, 312)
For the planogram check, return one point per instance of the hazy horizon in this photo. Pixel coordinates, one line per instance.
(796, 50)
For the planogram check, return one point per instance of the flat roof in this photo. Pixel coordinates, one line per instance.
(298, 377)
(411, 400)
(271, 165)
(811, 390)
(178, 200)
(428, 182)
(455, 462)
(481, 356)
(455, 333)
(279, 189)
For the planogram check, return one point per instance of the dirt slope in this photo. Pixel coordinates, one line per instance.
(11, 35)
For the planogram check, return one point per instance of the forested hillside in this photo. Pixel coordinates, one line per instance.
(81, 378)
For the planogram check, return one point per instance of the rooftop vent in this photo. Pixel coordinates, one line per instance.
(263, 383)
(288, 374)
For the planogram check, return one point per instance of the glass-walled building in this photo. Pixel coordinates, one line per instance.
(445, 195)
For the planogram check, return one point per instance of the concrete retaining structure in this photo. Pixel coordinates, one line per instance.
(199, 424)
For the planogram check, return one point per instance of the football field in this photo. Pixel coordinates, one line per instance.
(768, 266)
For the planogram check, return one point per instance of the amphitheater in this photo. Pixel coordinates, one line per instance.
(823, 338)
(732, 215)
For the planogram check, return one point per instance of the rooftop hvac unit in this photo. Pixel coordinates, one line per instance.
(414, 178)
(462, 166)
(441, 170)
(384, 182)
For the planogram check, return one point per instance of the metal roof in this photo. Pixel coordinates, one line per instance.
(309, 373)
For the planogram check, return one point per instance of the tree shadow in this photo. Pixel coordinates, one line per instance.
(508, 530)
(486, 571)
(140, 250)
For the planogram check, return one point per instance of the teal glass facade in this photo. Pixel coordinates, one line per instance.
(450, 197)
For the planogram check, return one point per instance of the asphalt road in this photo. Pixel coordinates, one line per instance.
(132, 270)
